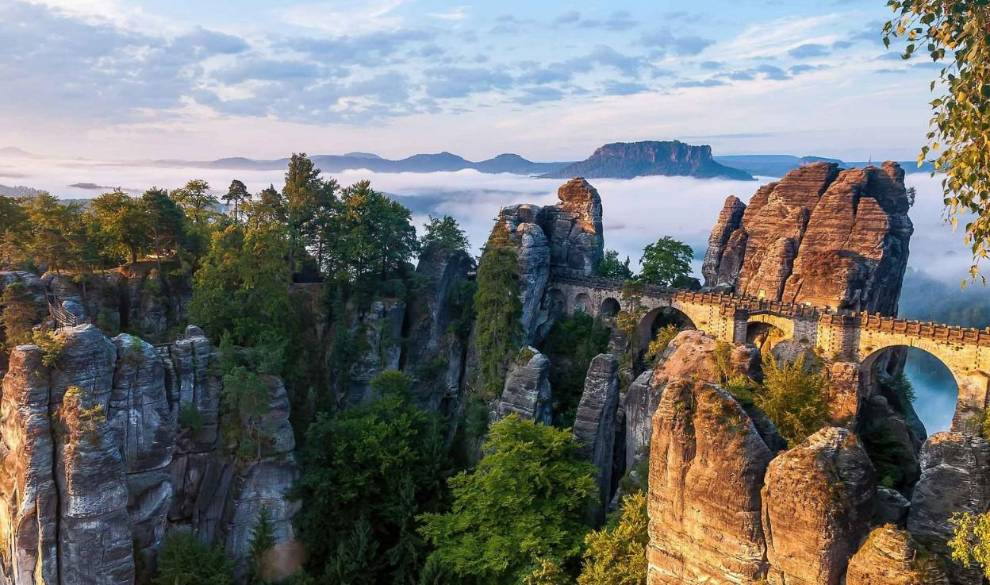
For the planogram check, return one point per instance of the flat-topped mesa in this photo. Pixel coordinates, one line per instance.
(626, 160)
(821, 235)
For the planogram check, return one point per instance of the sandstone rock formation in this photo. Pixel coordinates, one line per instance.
(689, 356)
(820, 236)
(378, 334)
(817, 507)
(891, 557)
(436, 350)
(563, 237)
(94, 469)
(624, 160)
(953, 480)
(707, 463)
(595, 425)
(527, 388)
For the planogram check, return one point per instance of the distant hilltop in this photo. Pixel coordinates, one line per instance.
(626, 160)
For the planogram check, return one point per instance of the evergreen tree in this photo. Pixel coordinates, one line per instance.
(166, 222)
(616, 555)
(262, 541)
(498, 310)
(236, 194)
(442, 235)
(18, 315)
(524, 503)
(184, 560)
(610, 266)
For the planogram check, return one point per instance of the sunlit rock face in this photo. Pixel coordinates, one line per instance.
(820, 235)
(889, 556)
(567, 237)
(818, 503)
(707, 462)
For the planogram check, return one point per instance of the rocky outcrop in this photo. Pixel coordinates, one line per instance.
(817, 507)
(527, 388)
(891, 557)
(719, 271)
(689, 356)
(437, 338)
(953, 480)
(566, 237)
(29, 505)
(377, 335)
(108, 445)
(820, 236)
(707, 463)
(595, 424)
(625, 160)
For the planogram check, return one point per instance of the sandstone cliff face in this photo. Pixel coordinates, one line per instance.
(817, 507)
(891, 557)
(565, 237)
(95, 467)
(953, 479)
(595, 425)
(690, 356)
(436, 353)
(707, 463)
(820, 236)
(527, 390)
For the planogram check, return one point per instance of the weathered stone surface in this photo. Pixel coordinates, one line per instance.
(689, 356)
(380, 328)
(707, 463)
(28, 497)
(817, 506)
(193, 384)
(436, 353)
(729, 220)
(891, 507)
(144, 430)
(527, 388)
(890, 557)
(95, 545)
(574, 227)
(953, 480)
(820, 236)
(595, 425)
(266, 485)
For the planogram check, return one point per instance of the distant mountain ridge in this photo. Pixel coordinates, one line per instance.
(417, 163)
(626, 160)
(778, 165)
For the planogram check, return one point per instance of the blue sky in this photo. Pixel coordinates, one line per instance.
(547, 79)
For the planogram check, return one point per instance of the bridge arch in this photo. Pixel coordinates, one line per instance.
(582, 303)
(765, 330)
(657, 318)
(609, 308)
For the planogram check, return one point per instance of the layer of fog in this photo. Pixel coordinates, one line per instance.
(637, 212)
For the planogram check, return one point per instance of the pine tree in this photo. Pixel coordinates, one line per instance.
(262, 540)
(498, 310)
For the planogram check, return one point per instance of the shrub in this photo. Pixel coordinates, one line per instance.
(190, 418)
(970, 541)
(51, 346)
(80, 421)
(616, 555)
(184, 560)
(661, 340)
(794, 398)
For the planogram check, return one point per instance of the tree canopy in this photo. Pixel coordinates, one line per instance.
(666, 262)
(954, 34)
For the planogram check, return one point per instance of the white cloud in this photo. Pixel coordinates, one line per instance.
(775, 38)
(454, 14)
(346, 17)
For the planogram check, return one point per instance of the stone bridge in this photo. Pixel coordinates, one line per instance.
(838, 335)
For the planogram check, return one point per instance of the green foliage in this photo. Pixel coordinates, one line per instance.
(262, 541)
(242, 285)
(571, 345)
(498, 310)
(55, 238)
(236, 195)
(52, 346)
(184, 560)
(954, 33)
(548, 572)
(122, 223)
(443, 235)
(245, 400)
(666, 262)
(391, 383)
(190, 418)
(794, 397)
(18, 314)
(887, 453)
(524, 502)
(970, 541)
(610, 266)
(616, 555)
(367, 473)
(661, 340)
